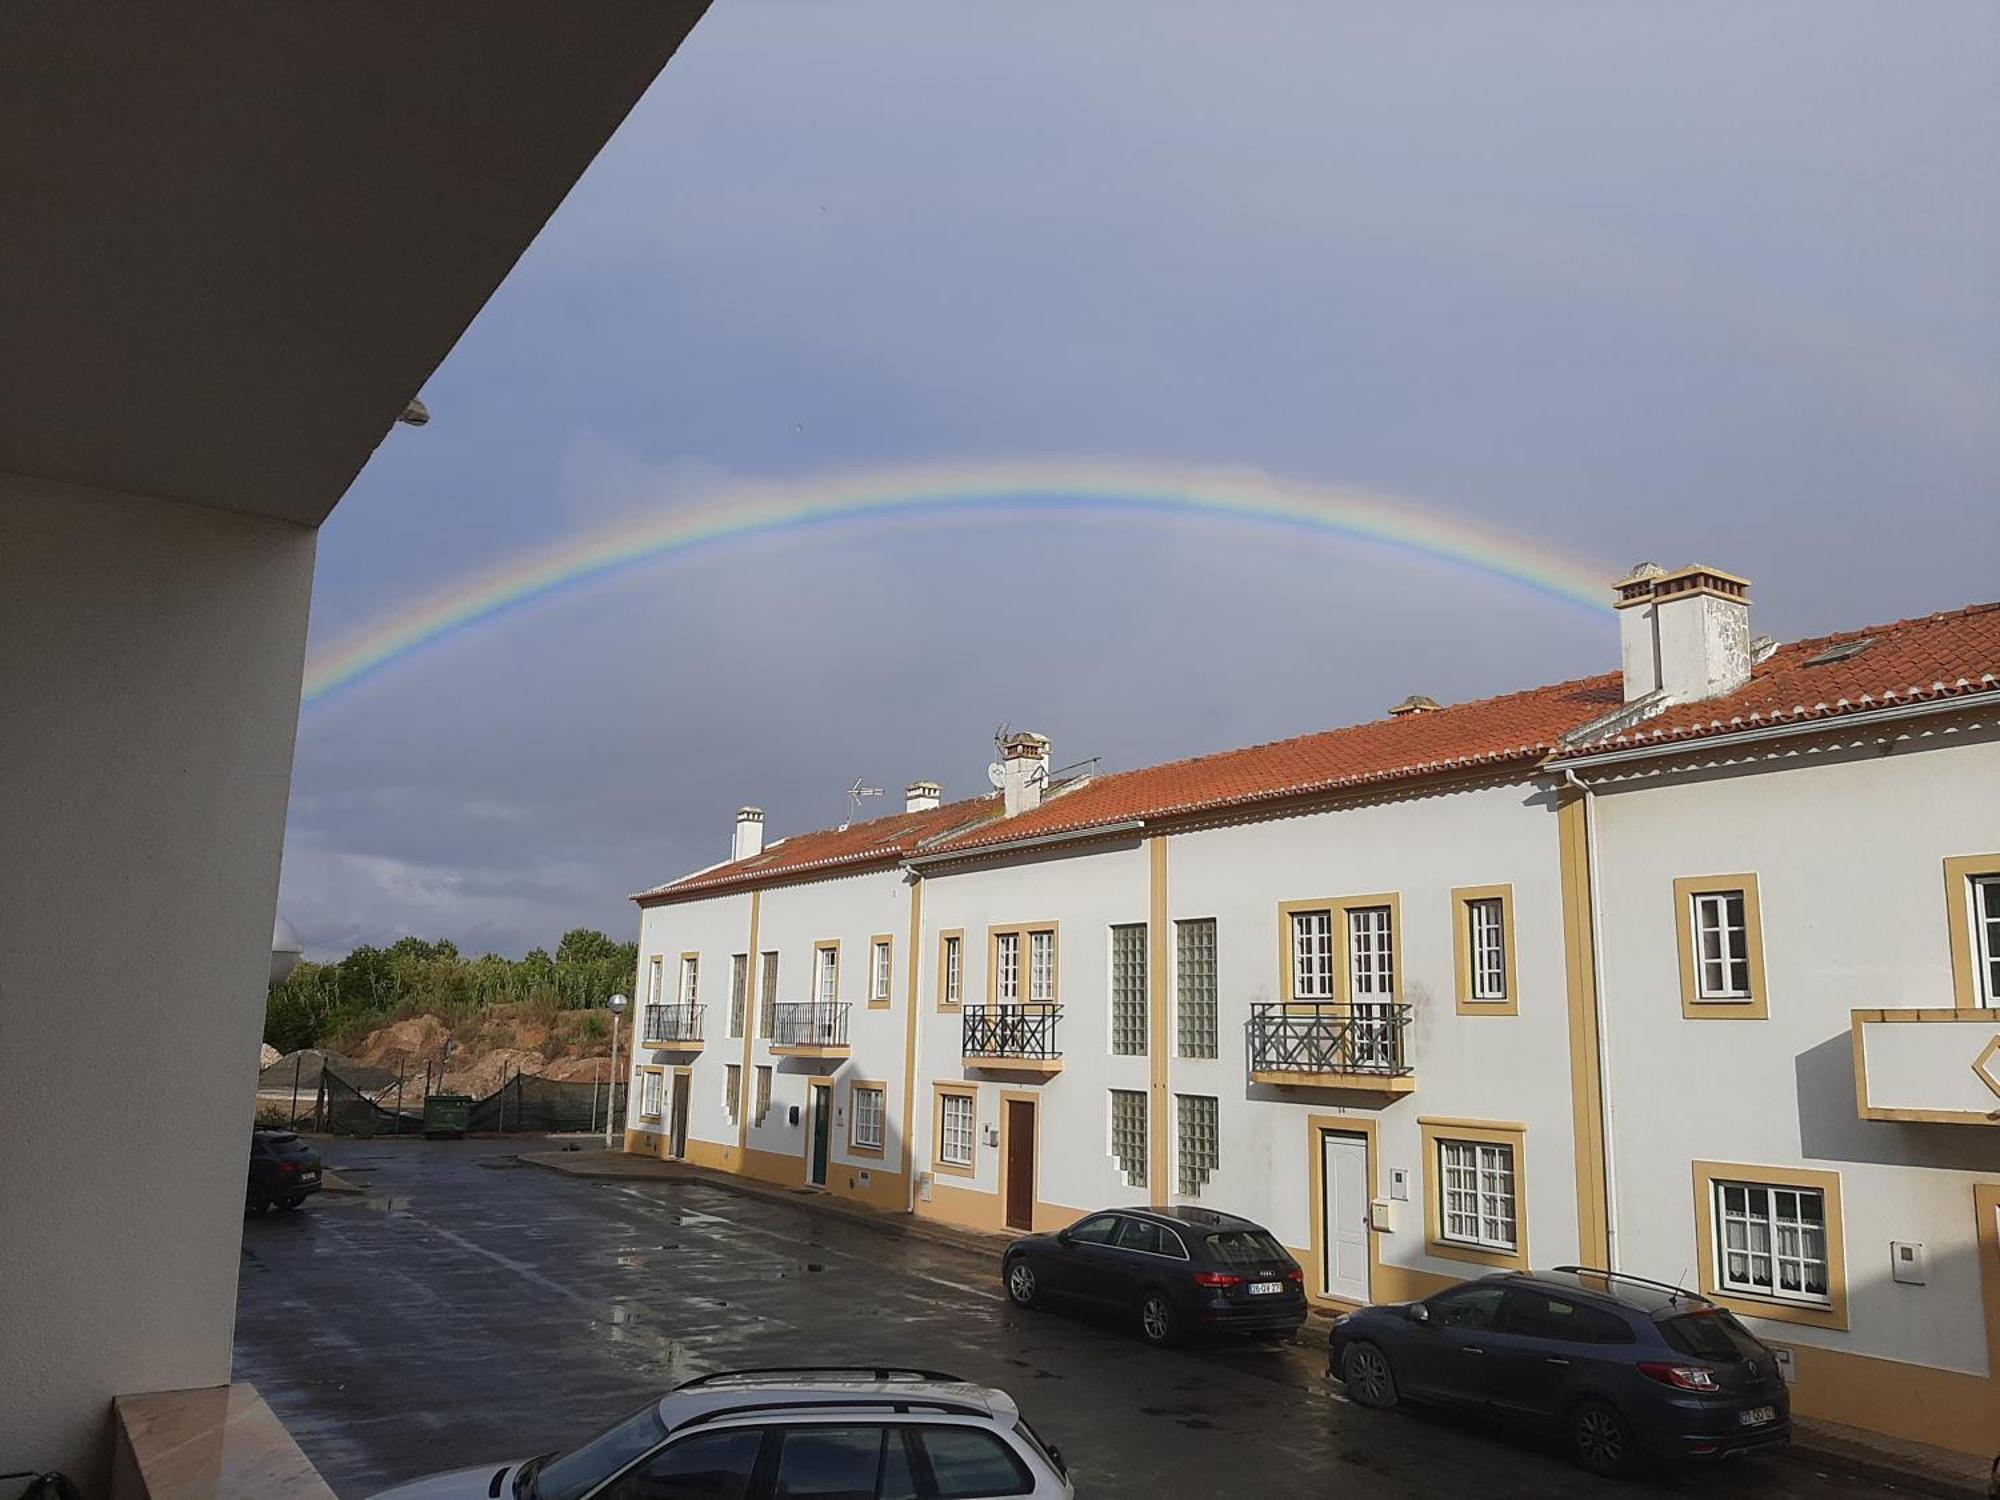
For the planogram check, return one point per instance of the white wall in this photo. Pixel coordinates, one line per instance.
(150, 660)
(1848, 849)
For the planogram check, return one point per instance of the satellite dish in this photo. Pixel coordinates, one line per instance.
(997, 774)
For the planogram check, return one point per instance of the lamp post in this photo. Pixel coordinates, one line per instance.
(611, 1092)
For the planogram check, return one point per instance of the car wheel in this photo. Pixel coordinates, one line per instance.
(293, 1201)
(1600, 1441)
(1158, 1324)
(255, 1200)
(1364, 1369)
(1023, 1288)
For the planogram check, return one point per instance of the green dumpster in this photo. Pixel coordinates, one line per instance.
(446, 1115)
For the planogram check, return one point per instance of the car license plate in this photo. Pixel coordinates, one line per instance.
(1266, 1288)
(1756, 1416)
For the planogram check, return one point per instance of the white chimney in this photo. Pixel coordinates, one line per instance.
(922, 796)
(1024, 771)
(749, 840)
(1687, 632)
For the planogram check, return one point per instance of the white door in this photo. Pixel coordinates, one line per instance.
(1344, 1201)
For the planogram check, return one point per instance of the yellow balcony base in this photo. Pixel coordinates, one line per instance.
(651, 1044)
(1035, 1067)
(813, 1049)
(1353, 1083)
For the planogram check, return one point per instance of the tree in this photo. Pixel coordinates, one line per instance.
(584, 945)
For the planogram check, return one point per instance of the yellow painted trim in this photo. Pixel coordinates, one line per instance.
(938, 1163)
(1386, 1089)
(1024, 961)
(1986, 1064)
(1461, 946)
(753, 973)
(1959, 871)
(1508, 1133)
(1586, 1076)
(908, 1155)
(1706, 1175)
(887, 997)
(1316, 1126)
(1693, 1007)
(1337, 908)
(1157, 1047)
(947, 936)
(855, 1085)
(1009, 1097)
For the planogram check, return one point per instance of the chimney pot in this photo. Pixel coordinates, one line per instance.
(1416, 703)
(922, 796)
(749, 839)
(1024, 764)
(1686, 633)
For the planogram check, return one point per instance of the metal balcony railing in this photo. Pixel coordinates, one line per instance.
(814, 1025)
(669, 1025)
(1330, 1038)
(1026, 1032)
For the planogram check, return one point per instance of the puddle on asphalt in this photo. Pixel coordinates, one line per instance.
(382, 1205)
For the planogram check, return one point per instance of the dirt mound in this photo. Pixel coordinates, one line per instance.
(301, 1070)
(585, 1069)
(481, 1077)
(411, 1041)
(267, 1056)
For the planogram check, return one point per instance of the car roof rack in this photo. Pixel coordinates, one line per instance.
(901, 1405)
(806, 1373)
(1658, 1286)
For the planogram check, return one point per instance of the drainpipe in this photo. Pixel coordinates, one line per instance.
(1603, 1020)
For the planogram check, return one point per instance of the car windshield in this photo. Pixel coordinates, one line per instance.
(1710, 1335)
(1243, 1247)
(579, 1471)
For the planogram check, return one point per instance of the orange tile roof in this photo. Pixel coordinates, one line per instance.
(1939, 656)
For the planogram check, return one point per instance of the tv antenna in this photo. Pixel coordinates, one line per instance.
(854, 795)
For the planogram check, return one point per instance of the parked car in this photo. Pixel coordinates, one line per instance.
(760, 1434)
(284, 1171)
(1175, 1271)
(1626, 1368)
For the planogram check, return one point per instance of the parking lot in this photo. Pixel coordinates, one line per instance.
(467, 1308)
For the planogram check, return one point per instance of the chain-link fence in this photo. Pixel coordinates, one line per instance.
(316, 1097)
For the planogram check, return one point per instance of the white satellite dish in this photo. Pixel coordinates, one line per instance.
(997, 774)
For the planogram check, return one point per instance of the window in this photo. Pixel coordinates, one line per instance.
(1483, 944)
(1095, 1231)
(1478, 1183)
(880, 970)
(869, 1109)
(1013, 947)
(954, 1140)
(732, 1090)
(1194, 987)
(690, 977)
(862, 1462)
(1537, 1315)
(767, 996)
(1244, 1247)
(1489, 950)
(1468, 1307)
(707, 1466)
(1312, 955)
(649, 1094)
(829, 973)
(1129, 1000)
(739, 983)
(1041, 968)
(1007, 968)
(1986, 936)
(1721, 947)
(1771, 1241)
(1371, 983)
(1142, 1235)
(656, 980)
(951, 968)
(1200, 1146)
(763, 1101)
(969, 1462)
(1128, 1134)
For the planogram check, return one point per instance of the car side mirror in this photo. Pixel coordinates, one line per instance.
(1063, 1236)
(1416, 1312)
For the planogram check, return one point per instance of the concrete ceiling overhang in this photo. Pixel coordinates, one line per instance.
(240, 234)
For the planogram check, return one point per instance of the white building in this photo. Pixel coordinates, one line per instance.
(1428, 996)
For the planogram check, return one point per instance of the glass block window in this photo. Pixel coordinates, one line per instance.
(739, 986)
(1771, 1241)
(1312, 955)
(1722, 945)
(955, 1129)
(879, 967)
(868, 1113)
(1486, 929)
(763, 1100)
(1042, 968)
(1986, 929)
(1128, 1134)
(1198, 1128)
(767, 996)
(1007, 968)
(829, 975)
(732, 1090)
(1128, 990)
(954, 970)
(690, 978)
(1194, 987)
(1478, 1188)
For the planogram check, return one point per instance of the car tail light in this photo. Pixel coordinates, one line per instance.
(1295, 1274)
(288, 1166)
(1682, 1377)
(1216, 1278)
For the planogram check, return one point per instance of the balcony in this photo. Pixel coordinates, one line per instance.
(1927, 1066)
(809, 1030)
(1011, 1038)
(672, 1028)
(1358, 1048)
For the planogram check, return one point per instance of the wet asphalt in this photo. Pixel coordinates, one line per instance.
(466, 1309)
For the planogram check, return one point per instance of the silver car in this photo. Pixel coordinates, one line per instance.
(870, 1434)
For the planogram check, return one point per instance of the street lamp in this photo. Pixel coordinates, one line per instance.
(611, 1092)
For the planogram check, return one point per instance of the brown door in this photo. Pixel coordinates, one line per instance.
(680, 1115)
(1020, 1164)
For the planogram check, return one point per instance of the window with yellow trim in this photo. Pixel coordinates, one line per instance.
(881, 970)
(951, 969)
(1719, 924)
(1483, 946)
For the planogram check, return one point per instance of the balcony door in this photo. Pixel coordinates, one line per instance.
(1343, 1188)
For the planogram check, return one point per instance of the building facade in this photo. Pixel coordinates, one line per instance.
(1433, 996)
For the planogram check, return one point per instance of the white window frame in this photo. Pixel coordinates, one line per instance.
(1710, 915)
(949, 1136)
(1479, 1195)
(1984, 906)
(657, 980)
(881, 969)
(1486, 934)
(878, 1100)
(1371, 954)
(1784, 1236)
(649, 1093)
(690, 977)
(1041, 968)
(954, 969)
(1007, 968)
(1312, 955)
(827, 991)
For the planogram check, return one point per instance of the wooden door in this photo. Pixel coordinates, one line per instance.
(1020, 1164)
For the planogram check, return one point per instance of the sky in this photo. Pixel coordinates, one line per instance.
(1701, 281)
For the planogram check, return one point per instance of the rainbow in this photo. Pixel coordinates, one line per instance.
(748, 510)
